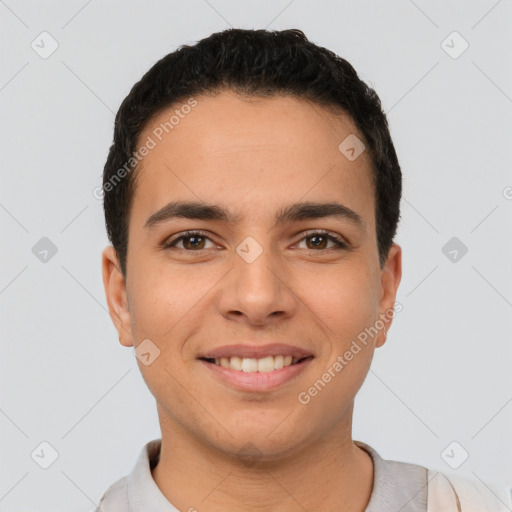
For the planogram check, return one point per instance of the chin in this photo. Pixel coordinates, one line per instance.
(263, 443)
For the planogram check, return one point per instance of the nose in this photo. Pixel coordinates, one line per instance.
(257, 291)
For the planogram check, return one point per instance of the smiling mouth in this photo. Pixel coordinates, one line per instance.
(261, 365)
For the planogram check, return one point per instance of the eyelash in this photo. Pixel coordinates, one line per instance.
(340, 243)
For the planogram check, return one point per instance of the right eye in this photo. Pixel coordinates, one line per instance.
(192, 241)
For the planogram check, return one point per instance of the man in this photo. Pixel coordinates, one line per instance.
(252, 195)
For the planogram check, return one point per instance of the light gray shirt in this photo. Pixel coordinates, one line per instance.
(397, 487)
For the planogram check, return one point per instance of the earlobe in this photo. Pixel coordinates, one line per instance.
(115, 292)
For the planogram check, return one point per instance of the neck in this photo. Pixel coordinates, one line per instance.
(331, 471)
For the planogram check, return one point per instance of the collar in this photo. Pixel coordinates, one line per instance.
(143, 493)
(397, 486)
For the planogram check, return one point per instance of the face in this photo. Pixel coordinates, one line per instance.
(281, 264)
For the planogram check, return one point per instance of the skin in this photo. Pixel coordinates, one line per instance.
(254, 156)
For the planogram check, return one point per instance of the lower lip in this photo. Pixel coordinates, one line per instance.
(257, 381)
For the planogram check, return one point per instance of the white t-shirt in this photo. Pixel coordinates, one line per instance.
(397, 487)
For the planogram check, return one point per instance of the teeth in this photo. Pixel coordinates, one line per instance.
(266, 364)
(235, 363)
(249, 365)
(263, 365)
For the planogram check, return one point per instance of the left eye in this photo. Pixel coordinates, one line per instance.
(324, 238)
(193, 241)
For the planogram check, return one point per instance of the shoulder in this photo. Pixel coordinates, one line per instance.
(454, 492)
(115, 498)
(424, 489)
(137, 485)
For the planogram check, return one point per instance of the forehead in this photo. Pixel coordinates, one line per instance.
(248, 153)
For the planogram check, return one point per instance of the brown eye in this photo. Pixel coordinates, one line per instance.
(319, 241)
(192, 241)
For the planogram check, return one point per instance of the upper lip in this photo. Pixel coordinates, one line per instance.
(256, 351)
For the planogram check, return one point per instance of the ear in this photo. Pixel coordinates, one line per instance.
(390, 278)
(115, 291)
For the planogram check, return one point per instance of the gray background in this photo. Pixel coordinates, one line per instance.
(444, 374)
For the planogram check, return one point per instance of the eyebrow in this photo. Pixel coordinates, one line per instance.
(292, 213)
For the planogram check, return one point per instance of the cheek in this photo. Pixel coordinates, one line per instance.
(343, 300)
(166, 311)
(173, 391)
(158, 303)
